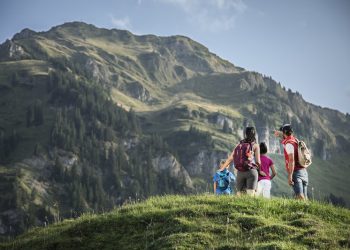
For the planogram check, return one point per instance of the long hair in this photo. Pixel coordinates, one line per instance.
(250, 134)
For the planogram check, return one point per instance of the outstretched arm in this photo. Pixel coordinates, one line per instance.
(278, 134)
(228, 161)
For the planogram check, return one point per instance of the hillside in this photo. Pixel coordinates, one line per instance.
(199, 222)
(91, 118)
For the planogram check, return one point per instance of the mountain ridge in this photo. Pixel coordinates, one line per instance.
(24, 33)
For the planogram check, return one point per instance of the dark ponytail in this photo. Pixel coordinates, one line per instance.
(250, 134)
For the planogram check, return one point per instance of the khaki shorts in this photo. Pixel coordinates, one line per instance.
(247, 180)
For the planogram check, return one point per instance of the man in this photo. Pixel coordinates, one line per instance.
(297, 175)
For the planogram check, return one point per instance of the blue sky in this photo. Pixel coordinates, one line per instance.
(305, 45)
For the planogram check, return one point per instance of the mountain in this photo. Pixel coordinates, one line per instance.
(92, 118)
(199, 222)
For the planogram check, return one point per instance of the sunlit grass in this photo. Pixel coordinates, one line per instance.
(197, 222)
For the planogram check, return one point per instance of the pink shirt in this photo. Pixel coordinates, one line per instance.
(266, 163)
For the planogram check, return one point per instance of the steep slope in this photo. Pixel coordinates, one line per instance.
(70, 143)
(199, 222)
(67, 148)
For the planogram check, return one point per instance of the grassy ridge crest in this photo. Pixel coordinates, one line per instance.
(199, 222)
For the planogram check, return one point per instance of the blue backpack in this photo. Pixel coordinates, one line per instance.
(224, 180)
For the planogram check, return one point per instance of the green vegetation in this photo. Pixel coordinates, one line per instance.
(199, 222)
(64, 117)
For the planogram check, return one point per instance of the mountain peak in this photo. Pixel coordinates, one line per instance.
(75, 24)
(25, 33)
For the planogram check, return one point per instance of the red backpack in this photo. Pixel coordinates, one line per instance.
(243, 156)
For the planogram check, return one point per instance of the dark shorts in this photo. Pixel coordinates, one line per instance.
(247, 180)
(301, 181)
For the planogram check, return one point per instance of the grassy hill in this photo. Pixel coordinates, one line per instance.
(199, 222)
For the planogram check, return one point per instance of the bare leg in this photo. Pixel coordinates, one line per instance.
(250, 192)
(300, 197)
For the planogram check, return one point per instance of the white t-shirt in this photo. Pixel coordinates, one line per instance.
(289, 148)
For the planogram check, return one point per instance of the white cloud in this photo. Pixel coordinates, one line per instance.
(208, 23)
(121, 23)
(210, 15)
(237, 5)
(186, 5)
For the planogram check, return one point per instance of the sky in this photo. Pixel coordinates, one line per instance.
(303, 44)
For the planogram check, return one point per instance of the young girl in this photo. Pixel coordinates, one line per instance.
(264, 179)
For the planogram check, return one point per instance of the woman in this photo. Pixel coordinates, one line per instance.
(246, 158)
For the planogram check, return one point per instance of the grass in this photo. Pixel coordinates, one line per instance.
(199, 222)
(33, 67)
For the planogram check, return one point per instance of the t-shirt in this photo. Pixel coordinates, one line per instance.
(266, 163)
(231, 177)
(289, 148)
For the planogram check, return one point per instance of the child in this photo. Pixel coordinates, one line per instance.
(264, 179)
(222, 181)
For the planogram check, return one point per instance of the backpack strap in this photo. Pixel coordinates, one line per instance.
(251, 144)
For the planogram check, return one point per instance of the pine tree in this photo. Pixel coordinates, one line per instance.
(29, 116)
(15, 79)
(2, 145)
(133, 121)
(37, 149)
(108, 134)
(38, 113)
(12, 141)
(150, 174)
(58, 171)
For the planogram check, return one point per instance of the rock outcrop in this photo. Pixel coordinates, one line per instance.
(205, 163)
(167, 164)
(137, 91)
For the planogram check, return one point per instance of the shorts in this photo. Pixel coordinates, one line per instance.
(226, 191)
(301, 181)
(264, 188)
(247, 180)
